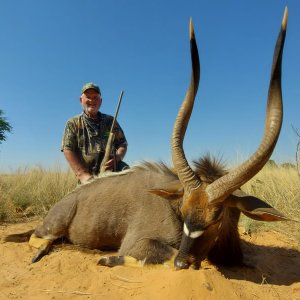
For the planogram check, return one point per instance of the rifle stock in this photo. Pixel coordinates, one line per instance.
(107, 154)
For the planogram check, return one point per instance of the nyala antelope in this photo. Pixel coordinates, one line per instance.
(152, 213)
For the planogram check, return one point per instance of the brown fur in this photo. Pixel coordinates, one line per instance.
(117, 212)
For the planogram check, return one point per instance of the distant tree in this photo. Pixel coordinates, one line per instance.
(4, 127)
(297, 149)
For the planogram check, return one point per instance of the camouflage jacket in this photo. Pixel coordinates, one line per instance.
(88, 137)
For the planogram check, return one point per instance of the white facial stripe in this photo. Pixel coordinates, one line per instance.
(185, 230)
(192, 235)
(196, 234)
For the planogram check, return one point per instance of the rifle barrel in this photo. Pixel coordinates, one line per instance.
(117, 111)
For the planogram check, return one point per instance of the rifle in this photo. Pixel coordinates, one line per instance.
(111, 138)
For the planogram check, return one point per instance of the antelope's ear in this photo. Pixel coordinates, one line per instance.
(254, 207)
(170, 190)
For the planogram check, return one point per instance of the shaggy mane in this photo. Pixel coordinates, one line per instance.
(209, 168)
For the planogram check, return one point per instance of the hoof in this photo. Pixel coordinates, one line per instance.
(36, 258)
(43, 250)
(179, 265)
(111, 261)
(196, 265)
(186, 262)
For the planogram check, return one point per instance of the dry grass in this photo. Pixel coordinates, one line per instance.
(30, 193)
(280, 187)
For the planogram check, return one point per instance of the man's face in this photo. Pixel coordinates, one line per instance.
(91, 102)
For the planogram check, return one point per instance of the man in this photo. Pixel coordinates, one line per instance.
(86, 135)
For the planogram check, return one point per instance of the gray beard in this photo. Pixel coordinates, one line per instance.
(88, 110)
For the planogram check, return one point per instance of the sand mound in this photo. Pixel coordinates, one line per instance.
(69, 273)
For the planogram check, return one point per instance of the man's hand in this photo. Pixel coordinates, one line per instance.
(111, 164)
(80, 171)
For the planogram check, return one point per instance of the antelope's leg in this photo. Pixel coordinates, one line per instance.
(125, 260)
(143, 251)
(113, 261)
(43, 246)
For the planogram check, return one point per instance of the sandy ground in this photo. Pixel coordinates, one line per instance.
(69, 273)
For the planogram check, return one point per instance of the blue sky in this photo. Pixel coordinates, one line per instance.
(49, 49)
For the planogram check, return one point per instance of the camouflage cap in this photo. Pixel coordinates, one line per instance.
(90, 85)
